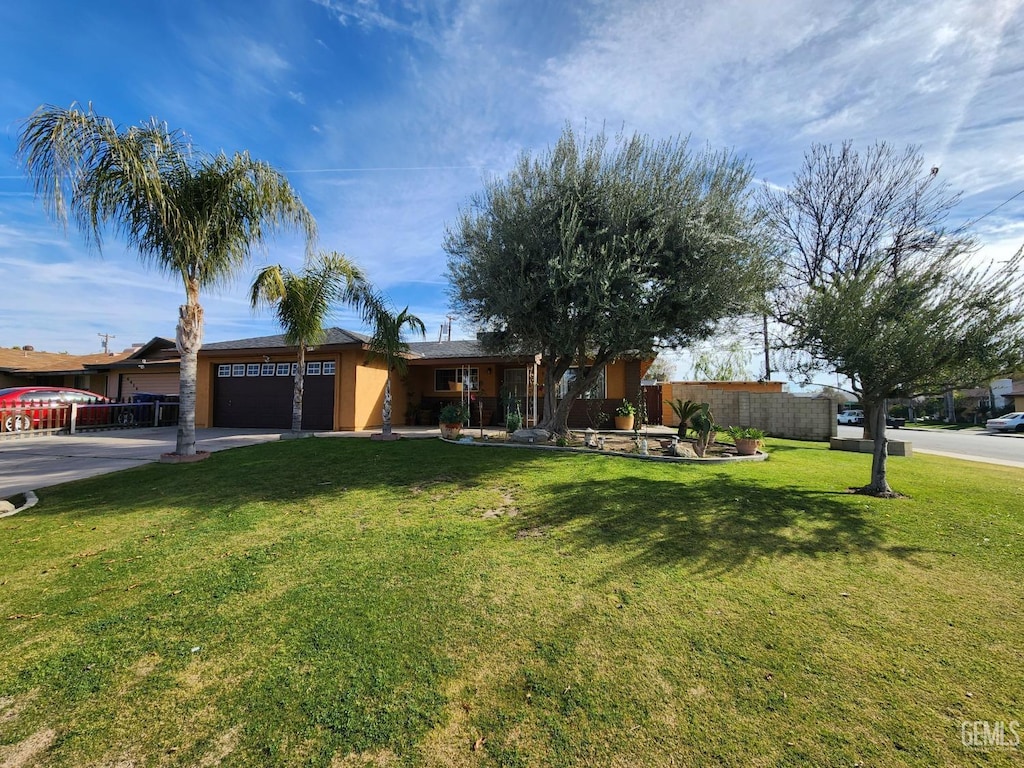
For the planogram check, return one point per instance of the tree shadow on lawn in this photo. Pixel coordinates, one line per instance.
(717, 525)
(285, 473)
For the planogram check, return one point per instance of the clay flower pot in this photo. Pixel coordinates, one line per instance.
(746, 446)
(451, 431)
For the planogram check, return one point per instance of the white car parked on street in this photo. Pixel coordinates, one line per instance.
(852, 417)
(1011, 422)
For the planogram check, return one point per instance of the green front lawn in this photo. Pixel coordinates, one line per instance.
(343, 602)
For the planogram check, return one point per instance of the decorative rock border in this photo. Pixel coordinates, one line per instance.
(759, 456)
(7, 507)
(174, 458)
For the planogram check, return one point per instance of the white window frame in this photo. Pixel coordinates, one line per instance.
(224, 370)
(238, 369)
(597, 391)
(328, 369)
(295, 368)
(252, 369)
(267, 369)
(313, 369)
(282, 369)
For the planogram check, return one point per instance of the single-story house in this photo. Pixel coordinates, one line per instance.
(1017, 395)
(153, 367)
(150, 367)
(24, 367)
(248, 383)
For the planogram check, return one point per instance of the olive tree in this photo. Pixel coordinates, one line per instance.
(875, 288)
(597, 249)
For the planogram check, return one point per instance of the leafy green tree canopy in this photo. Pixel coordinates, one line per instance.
(598, 249)
(875, 288)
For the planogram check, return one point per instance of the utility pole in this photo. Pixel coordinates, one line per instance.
(106, 341)
(767, 358)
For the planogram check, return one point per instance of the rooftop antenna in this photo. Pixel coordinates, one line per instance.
(450, 318)
(106, 341)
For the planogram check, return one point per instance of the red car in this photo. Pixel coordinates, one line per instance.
(23, 408)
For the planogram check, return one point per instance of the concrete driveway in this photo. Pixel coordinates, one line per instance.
(28, 464)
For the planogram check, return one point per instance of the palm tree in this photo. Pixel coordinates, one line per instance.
(302, 302)
(191, 215)
(387, 342)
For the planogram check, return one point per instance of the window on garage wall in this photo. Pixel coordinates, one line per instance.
(283, 369)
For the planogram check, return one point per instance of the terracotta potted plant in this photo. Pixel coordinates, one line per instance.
(746, 439)
(452, 417)
(624, 415)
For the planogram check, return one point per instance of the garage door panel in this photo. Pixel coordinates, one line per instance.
(265, 402)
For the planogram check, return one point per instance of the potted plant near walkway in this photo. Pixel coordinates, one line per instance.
(452, 417)
(624, 415)
(746, 439)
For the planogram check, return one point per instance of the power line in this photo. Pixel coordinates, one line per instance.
(971, 223)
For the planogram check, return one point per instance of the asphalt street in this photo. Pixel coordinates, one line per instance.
(969, 444)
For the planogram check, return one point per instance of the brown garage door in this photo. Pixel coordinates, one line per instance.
(256, 396)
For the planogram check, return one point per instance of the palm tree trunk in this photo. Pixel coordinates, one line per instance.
(387, 406)
(189, 339)
(297, 392)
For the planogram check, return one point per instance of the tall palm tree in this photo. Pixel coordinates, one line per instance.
(302, 300)
(191, 215)
(388, 343)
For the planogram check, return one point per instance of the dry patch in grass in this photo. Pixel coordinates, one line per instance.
(381, 758)
(25, 752)
(224, 746)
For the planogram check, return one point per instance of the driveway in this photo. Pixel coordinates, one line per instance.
(32, 463)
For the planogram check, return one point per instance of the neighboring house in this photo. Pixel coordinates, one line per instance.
(1016, 395)
(154, 367)
(25, 367)
(248, 383)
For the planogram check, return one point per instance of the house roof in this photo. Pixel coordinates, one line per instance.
(20, 361)
(335, 336)
(157, 350)
(459, 349)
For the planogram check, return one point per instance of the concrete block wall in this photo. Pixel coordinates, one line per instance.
(780, 414)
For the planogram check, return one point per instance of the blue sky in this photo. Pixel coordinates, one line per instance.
(387, 116)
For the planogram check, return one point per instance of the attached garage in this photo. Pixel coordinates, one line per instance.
(259, 395)
(248, 383)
